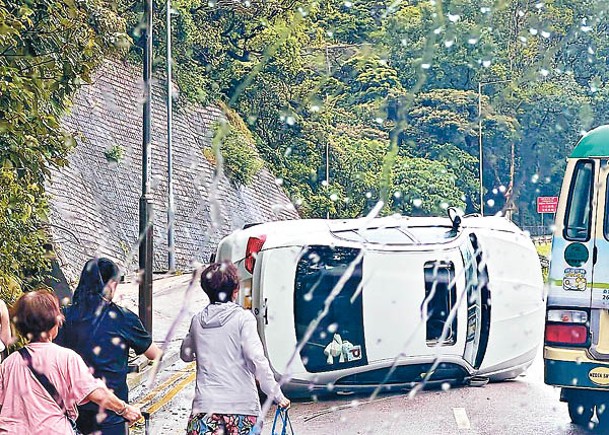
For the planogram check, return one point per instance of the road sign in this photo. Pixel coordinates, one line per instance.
(547, 204)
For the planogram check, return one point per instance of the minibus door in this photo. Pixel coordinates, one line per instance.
(599, 304)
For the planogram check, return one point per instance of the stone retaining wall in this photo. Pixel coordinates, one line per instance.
(94, 203)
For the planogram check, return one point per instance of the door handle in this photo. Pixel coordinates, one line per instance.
(266, 312)
(594, 255)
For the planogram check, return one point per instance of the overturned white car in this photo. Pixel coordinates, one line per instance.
(351, 305)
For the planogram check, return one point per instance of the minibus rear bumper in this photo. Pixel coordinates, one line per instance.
(573, 369)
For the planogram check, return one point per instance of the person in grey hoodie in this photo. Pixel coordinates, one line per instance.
(224, 342)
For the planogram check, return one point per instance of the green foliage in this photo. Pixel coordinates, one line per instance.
(544, 249)
(424, 187)
(10, 290)
(22, 207)
(348, 102)
(234, 152)
(114, 153)
(48, 48)
(358, 78)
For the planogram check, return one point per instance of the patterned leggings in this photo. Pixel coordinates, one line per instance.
(221, 424)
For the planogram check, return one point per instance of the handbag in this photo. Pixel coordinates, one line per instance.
(282, 414)
(46, 383)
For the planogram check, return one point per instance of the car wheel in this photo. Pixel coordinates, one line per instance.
(580, 413)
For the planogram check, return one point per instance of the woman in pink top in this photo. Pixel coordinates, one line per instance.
(5, 329)
(28, 404)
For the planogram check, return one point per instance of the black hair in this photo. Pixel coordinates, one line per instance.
(94, 277)
(219, 281)
(108, 270)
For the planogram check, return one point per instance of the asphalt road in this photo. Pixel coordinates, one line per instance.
(522, 406)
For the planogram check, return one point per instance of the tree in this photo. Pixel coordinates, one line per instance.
(354, 77)
(424, 187)
(48, 48)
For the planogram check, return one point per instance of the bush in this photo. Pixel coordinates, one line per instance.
(114, 153)
(238, 156)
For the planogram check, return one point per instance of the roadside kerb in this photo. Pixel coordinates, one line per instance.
(159, 396)
(139, 378)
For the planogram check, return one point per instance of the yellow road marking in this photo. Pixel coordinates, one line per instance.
(161, 387)
(171, 393)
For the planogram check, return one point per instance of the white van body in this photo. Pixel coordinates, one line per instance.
(408, 291)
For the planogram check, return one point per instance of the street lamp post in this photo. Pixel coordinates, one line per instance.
(170, 199)
(145, 224)
(328, 138)
(480, 154)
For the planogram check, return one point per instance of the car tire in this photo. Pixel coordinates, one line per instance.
(580, 413)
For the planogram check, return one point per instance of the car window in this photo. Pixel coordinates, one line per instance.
(440, 298)
(579, 207)
(337, 341)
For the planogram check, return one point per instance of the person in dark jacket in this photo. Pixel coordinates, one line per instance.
(102, 333)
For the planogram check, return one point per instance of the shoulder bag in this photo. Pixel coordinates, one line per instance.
(46, 383)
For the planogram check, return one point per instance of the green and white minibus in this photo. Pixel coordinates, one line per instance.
(576, 352)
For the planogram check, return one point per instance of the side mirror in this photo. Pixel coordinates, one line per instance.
(455, 215)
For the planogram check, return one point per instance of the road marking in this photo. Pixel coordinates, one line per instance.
(461, 418)
(154, 407)
(150, 397)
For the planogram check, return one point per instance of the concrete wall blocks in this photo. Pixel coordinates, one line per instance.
(95, 203)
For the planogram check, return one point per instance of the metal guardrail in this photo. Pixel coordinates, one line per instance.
(542, 240)
(538, 230)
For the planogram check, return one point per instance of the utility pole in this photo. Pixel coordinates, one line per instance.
(170, 206)
(481, 181)
(146, 212)
(328, 137)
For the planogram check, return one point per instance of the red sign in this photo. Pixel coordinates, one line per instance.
(547, 204)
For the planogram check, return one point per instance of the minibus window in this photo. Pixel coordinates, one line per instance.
(440, 298)
(579, 205)
(338, 340)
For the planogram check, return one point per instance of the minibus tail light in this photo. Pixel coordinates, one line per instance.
(254, 246)
(567, 316)
(558, 333)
